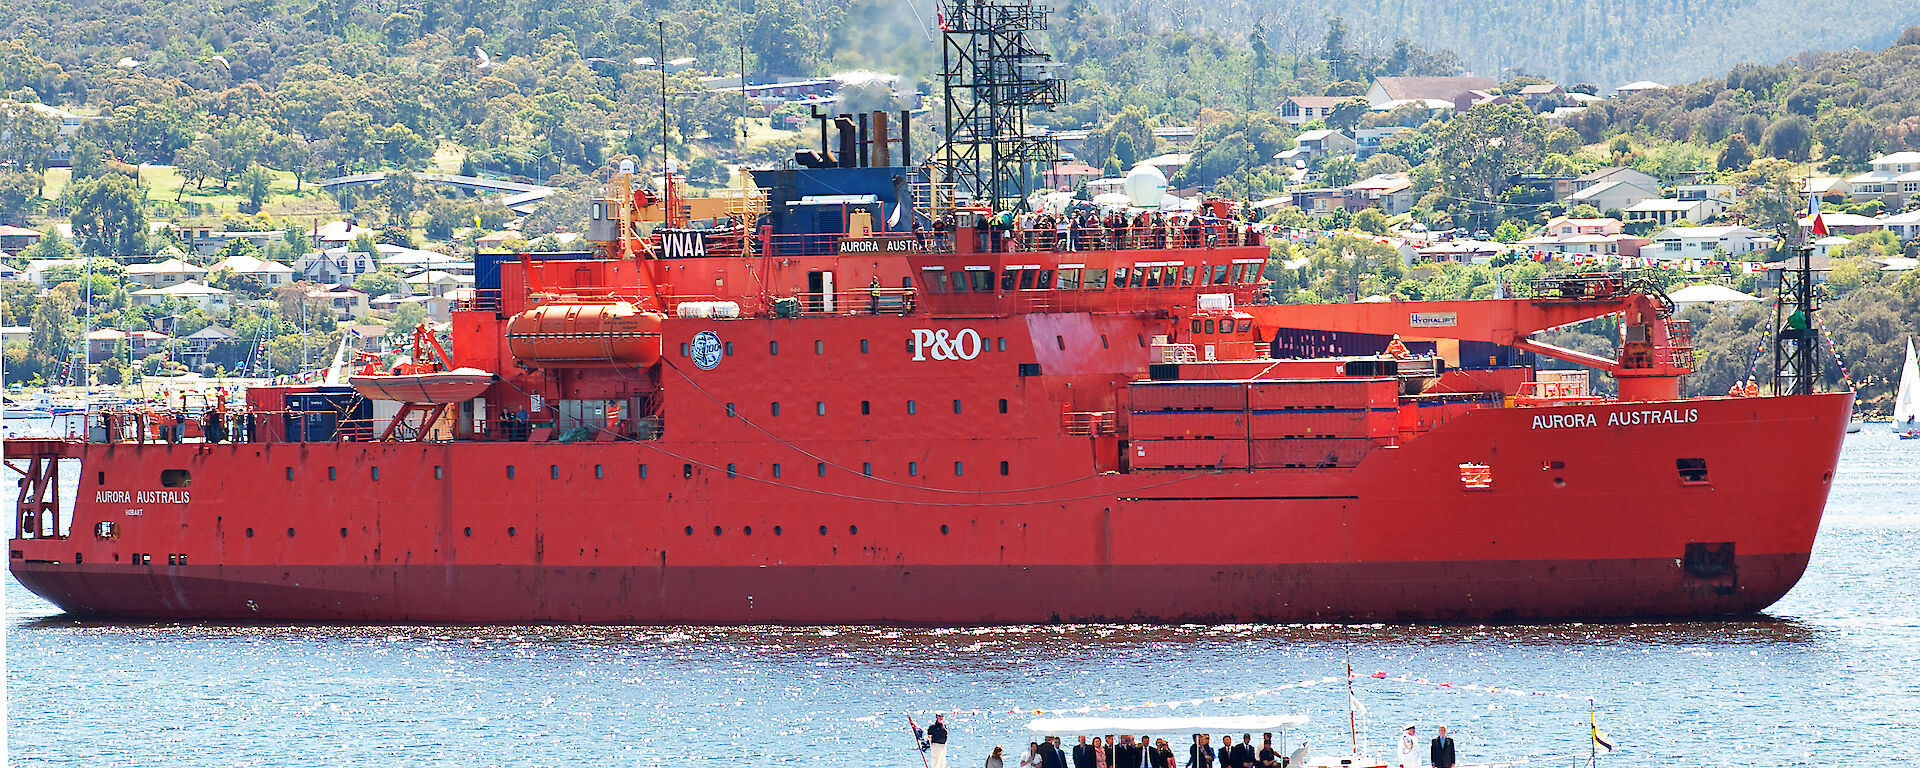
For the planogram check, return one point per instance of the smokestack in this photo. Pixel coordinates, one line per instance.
(865, 142)
(849, 141)
(882, 152)
(906, 137)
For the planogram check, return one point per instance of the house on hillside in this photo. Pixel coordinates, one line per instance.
(270, 273)
(1665, 212)
(1300, 110)
(206, 297)
(1827, 187)
(346, 301)
(14, 239)
(1614, 195)
(1846, 223)
(1587, 237)
(1724, 194)
(1392, 193)
(1905, 226)
(1638, 86)
(335, 265)
(1313, 146)
(1318, 201)
(101, 343)
(1068, 175)
(1388, 89)
(164, 273)
(1602, 175)
(1894, 180)
(1366, 141)
(1538, 93)
(201, 342)
(1700, 242)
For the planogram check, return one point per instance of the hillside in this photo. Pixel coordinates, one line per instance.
(1606, 42)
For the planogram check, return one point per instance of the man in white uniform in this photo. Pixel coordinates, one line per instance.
(1409, 758)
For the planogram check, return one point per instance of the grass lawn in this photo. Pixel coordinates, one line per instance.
(163, 184)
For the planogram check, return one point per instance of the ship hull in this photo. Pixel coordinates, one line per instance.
(1586, 516)
(926, 596)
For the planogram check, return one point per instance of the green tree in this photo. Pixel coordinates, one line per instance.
(1347, 113)
(19, 196)
(257, 184)
(108, 216)
(1790, 138)
(1339, 171)
(378, 283)
(1735, 155)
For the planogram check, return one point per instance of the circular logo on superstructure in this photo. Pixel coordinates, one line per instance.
(706, 350)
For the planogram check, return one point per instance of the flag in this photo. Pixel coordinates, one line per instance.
(1601, 741)
(1353, 703)
(1817, 224)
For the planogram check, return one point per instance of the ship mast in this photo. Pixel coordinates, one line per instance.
(1796, 334)
(992, 74)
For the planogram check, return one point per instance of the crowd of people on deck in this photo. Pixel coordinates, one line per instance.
(1086, 229)
(1126, 751)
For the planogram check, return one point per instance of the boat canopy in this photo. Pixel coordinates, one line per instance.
(1074, 726)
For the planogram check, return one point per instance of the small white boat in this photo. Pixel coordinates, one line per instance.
(1906, 400)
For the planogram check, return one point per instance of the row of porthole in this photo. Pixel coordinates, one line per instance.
(852, 530)
(866, 408)
(511, 531)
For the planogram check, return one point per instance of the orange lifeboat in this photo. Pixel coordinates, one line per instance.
(426, 388)
(612, 334)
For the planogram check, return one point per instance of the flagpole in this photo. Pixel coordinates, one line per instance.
(1593, 748)
(1353, 736)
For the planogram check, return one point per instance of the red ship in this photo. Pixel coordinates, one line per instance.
(796, 405)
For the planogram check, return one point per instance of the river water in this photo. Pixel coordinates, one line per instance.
(1829, 675)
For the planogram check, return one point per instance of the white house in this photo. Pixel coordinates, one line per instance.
(1305, 109)
(347, 302)
(1665, 211)
(1386, 89)
(206, 297)
(162, 274)
(336, 265)
(1700, 242)
(1392, 193)
(269, 273)
(1614, 195)
(1906, 226)
(1894, 179)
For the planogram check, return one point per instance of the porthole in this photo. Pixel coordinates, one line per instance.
(866, 468)
(374, 472)
(773, 347)
(911, 408)
(823, 530)
(863, 346)
(643, 471)
(599, 472)
(343, 533)
(820, 469)
(853, 530)
(1103, 342)
(1003, 405)
(689, 530)
(731, 471)
(728, 348)
(439, 472)
(819, 346)
(820, 408)
(686, 470)
(717, 530)
(289, 533)
(776, 470)
(333, 473)
(958, 469)
(776, 530)
(746, 530)
(730, 411)
(774, 408)
(1003, 467)
(866, 408)
(249, 533)
(956, 406)
(1000, 344)
(943, 529)
(510, 531)
(103, 476)
(509, 471)
(467, 531)
(553, 471)
(913, 469)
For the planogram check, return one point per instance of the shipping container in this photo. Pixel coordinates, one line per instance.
(1188, 454)
(1343, 422)
(1308, 452)
(1188, 395)
(1188, 424)
(1323, 393)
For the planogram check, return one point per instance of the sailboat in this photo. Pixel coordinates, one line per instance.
(1906, 401)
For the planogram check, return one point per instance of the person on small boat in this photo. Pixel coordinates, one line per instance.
(995, 760)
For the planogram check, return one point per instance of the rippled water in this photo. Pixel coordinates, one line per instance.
(1831, 675)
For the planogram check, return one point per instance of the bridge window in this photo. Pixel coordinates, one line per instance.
(1096, 280)
(1026, 279)
(1186, 277)
(1045, 280)
(982, 280)
(1197, 326)
(1067, 280)
(1219, 274)
(1010, 279)
(959, 282)
(1208, 325)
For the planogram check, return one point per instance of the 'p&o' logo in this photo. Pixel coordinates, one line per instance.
(940, 344)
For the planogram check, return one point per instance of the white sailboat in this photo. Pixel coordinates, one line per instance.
(1906, 401)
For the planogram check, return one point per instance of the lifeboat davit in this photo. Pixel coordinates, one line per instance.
(609, 334)
(428, 388)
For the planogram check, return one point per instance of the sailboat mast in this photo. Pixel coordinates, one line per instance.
(1353, 727)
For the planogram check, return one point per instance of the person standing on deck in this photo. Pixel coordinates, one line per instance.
(937, 737)
(1408, 757)
(1442, 750)
(1083, 754)
(995, 760)
(1200, 755)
